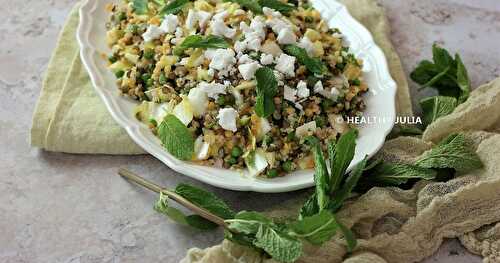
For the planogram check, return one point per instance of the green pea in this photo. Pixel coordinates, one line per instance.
(153, 122)
(232, 161)
(290, 136)
(356, 82)
(288, 166)
(149, 83)
(145, 77)
(244, 120)
(272, 173)
(119, 73)
(149, 54)
(112, 59)
(221, 101)
(162, 79)
(236, 152)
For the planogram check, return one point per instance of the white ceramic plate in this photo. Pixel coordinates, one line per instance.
(380, 100)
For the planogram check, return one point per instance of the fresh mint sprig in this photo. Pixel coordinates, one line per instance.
(197, 41)
(314, 65)
(448, 76)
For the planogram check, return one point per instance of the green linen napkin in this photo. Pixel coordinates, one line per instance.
(70, 117)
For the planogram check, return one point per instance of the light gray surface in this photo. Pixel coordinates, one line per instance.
(73, 208)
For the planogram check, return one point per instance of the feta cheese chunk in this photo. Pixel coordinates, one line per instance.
(248, 70)
(169, 23)
(306, 129)
(289, 94)
(266, 59)
(213, 90)
(219, 27)
(199, 101)
(286, 65)
(152, 32)
(201, 148)
(307, 44)
(227, 119)
(222, 59)
(302, 90)
(286, 36)
(332, 94)
(195, 18)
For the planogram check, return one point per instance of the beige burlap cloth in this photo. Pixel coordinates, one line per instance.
(392, 225)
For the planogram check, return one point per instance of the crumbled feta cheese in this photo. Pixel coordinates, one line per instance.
(179, 32)
(248, 70)
(211, 72)
(199, 101)
(169, 23)
(286, 65)
(212, 89)
(289, 94)
(203, 18)
(152, 32)
(245, 59)
(266, 59)
(219, 27)
(271, 12)
(222, 59)
(191, 19)
(183, 111)
(306, 44)
(227, 119)
(201, 148)
(254, 34)
(194, 18)
(306, 129)
(302, 90)
(265, 127)
(334, 93)
(286, 36)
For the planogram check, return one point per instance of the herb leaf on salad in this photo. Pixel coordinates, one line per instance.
(198, 41)
(176, 137)
(267, 88)
(277, 5)
(314, 65)
(173, 7)
(140, 6)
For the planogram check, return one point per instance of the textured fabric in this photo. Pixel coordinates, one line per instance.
(392, 225)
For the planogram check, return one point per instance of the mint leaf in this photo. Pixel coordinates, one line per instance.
(173, 7)
(249, 5)
(140, 7)
(321, 176)
(453, 152)
(205, 199)
(161, 206)
(248, 222)
(314, 65)
(343, 193)
(309, 208)
(341, 156)
(348, 236)
(462, 80)
(436, 107)
(200, 223)
(278, 245)
(316, 229)
(277, 5)
(197, 41)
(385, 174)
(176, 137)
(267, 88)
(446, 74)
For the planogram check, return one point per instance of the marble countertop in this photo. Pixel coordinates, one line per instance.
(73, 208)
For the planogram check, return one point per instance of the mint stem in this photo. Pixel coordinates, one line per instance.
(172, 195)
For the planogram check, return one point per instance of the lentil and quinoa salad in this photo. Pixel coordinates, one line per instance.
(250, 80)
